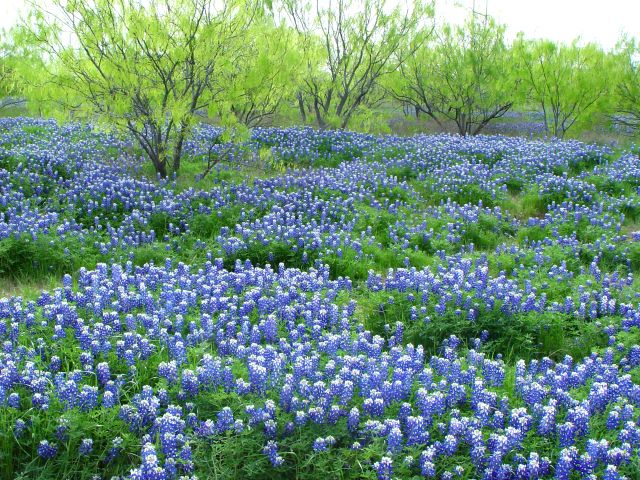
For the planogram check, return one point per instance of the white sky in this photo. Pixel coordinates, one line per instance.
(560, 20)
(597, 21)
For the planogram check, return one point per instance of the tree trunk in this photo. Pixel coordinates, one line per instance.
(345, 120)
(322, 125)
(159, 165)
(177, 153)
(303, 112)
(160, 161)
(461, 123)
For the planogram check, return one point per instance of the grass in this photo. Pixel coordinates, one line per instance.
(515, 336)
(24, 259)
(27, 288)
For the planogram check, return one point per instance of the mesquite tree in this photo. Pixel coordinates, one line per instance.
(148, 68)
(9, 82)
(569, 83)
(348, 49)
(460, 74)
(627, 91)
(267, 74)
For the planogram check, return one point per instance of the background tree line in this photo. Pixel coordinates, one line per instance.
(156, 68)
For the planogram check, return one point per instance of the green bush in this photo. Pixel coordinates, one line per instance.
(208, 226)
(26, 258)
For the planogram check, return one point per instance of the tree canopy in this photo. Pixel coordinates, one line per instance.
(10, 86)
(569, 83)
(149, 69)
(155, 68)
(460, 74)
(627, 90)
(348, 51)
(267, 73)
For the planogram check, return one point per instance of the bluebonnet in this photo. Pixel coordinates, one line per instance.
(271, 451)
(86, 446)
(384, 468)
(47, 450)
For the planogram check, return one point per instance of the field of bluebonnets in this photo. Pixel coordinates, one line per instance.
(365, 307)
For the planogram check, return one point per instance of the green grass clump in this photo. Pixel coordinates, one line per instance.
(25, 258)
(273, 253)
(486, 233)
(534, 204)
(514, 336)
(207, 226)
(402, 173)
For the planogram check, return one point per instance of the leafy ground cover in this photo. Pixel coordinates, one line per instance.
(323, 305)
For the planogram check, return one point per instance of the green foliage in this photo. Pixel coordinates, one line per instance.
(472, 193)
(514, 185)
(461, 74)
(533, 234)
(528, 336)
(274, 253)
(208, 226)
(535, 204)
(25, 258)
(485, 234)
(149, 255)
(22, 462)
(379, 222)
(267, 74)
(147, 69)
(8, 81)
(159, 222)
(238, 456)
(627, 90)
(634, 256)
(348, 51)
(403, 173)
(571, 84)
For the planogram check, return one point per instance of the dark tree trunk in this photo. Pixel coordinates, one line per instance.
(159, 164)
(322, 125)
(160, 159)
(303, 111)
(177, 153)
